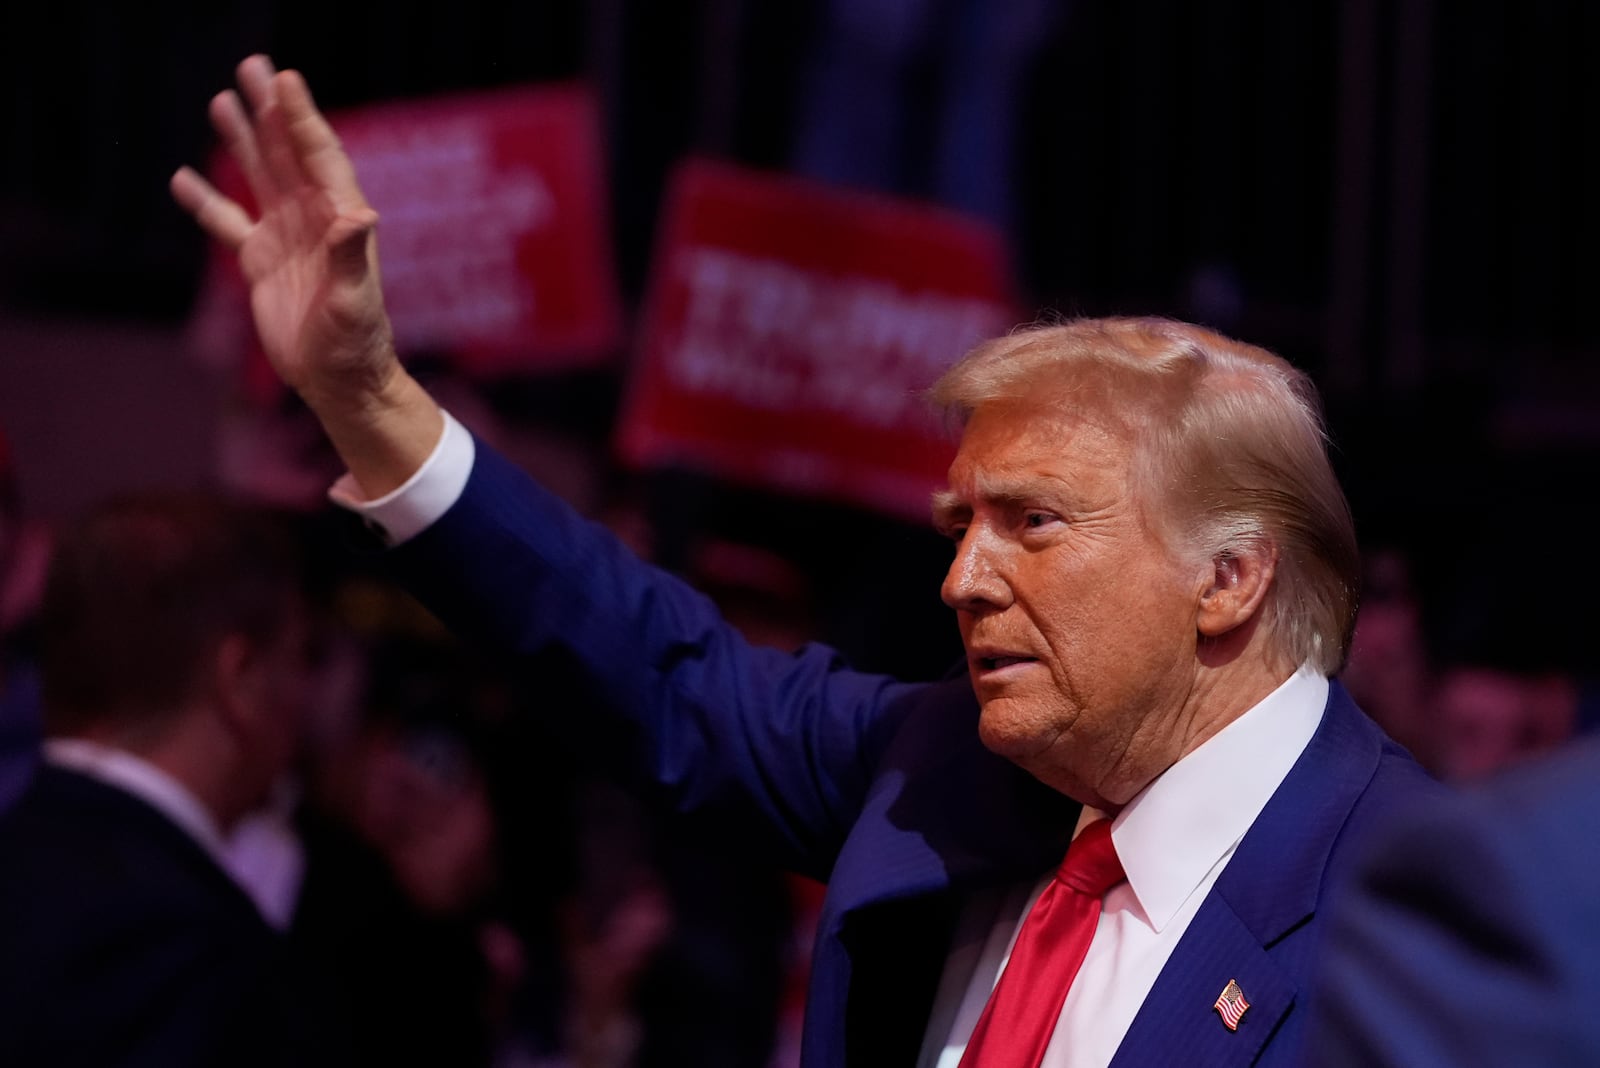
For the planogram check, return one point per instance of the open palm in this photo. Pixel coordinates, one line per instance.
(310, 256)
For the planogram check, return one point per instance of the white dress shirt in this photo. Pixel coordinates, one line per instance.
(411, 507)
(266, 856)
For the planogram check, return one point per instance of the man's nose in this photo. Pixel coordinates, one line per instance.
(974, 582)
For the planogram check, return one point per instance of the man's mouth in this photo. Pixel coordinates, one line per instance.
(995, 663)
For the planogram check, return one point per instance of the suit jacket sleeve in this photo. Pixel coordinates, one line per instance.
(1471, 935)
(787, 741)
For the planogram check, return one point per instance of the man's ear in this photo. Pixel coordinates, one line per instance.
(1239, 584)
(234, 678)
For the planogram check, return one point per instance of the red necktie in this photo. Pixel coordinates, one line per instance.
(1021, 1014)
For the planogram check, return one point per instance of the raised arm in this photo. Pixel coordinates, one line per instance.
(310, 257)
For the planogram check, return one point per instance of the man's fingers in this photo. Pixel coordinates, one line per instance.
(279, 170)
(216, 214)
(322, 159)
(233, 126)
(278, 152)
(255, 80)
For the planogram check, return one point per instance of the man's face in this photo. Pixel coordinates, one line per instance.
(1489, 719)
(1079, 622)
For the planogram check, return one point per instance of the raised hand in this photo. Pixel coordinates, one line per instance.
(310, 258)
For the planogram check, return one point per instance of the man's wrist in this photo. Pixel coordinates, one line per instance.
(383, 435)
(422, 498)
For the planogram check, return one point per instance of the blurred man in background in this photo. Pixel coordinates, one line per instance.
(173, 660)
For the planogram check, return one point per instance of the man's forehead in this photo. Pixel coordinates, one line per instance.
(1019, 452)
(1052, 407)
(1014, 438)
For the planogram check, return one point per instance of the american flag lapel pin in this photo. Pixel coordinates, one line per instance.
(1231, 1005)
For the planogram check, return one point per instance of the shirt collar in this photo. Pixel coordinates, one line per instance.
(1188, 821)
(142, 779)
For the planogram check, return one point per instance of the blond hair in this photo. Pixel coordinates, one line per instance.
(1231, 452)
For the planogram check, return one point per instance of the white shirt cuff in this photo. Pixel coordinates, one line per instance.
(405, 512)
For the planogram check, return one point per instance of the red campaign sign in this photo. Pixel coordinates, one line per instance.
(494, 240)
(791, 330)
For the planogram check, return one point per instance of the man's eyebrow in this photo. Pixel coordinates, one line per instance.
(952, 509)
(949, 509)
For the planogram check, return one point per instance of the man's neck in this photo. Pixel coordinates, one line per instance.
(1224, 693)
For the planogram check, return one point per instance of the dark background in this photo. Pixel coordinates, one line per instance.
(1398, 196)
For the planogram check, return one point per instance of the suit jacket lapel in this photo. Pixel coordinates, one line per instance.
(1178, 1023)
(1270, 888)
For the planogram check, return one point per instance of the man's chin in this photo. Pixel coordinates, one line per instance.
(1007, 729)
(1041, 753)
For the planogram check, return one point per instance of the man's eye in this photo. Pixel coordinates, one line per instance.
(1034, 520)
(955, 534)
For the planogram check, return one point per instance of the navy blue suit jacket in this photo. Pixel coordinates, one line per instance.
(882, 789)
(1471, 936)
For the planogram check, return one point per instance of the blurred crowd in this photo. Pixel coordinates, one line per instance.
(1465, 704)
